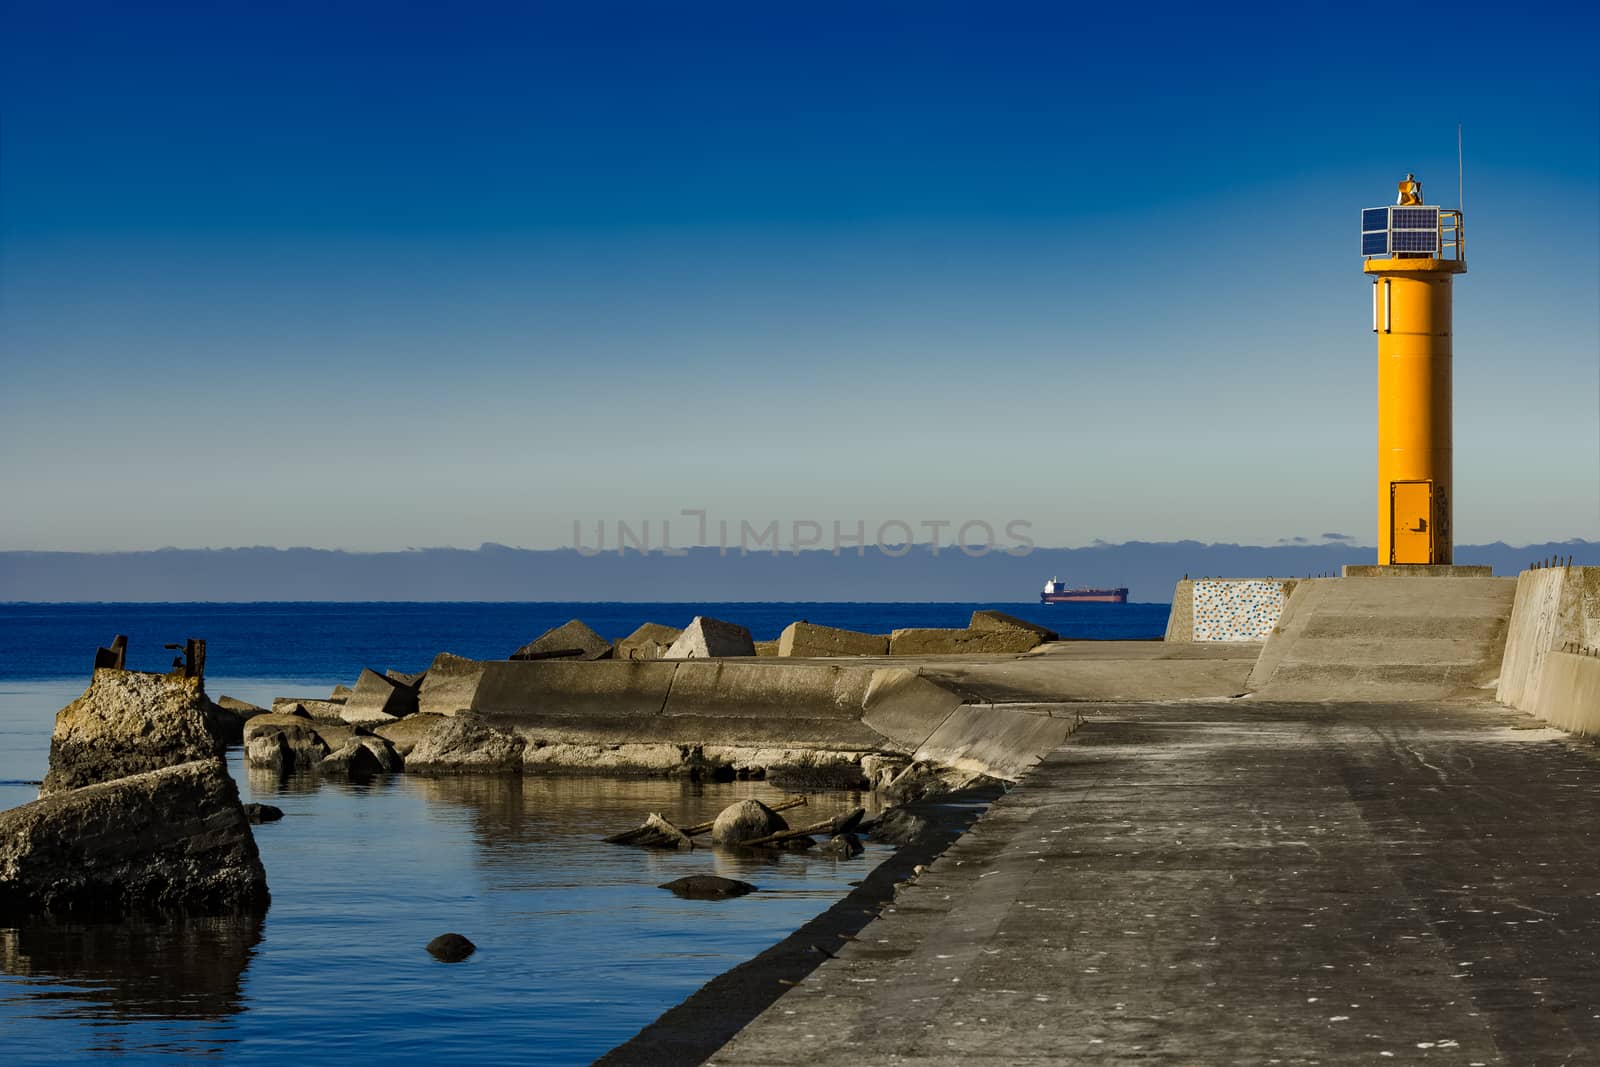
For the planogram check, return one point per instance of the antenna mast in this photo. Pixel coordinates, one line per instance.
(1461, 200)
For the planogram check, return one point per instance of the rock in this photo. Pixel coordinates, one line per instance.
(880, 769)
(242, 708)
(260, 813)
(745, 821)
(845, 846)
(169, 840)
(378, 699)
(284, 743)
(898, 826)
(923, 781)
(228, 716)
(808, 639)
(404, 733)
(999, 620)
(794, 844)
(315, 709)
(707, 638)
(708, 887)
(128, 722)
(935, 642)
(818, 772)
(465, 744)
(451, 948)
(362, 757)
(572, 637)
(649, 641)
(652, 758)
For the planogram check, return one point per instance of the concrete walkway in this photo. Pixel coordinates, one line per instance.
(1239, 882)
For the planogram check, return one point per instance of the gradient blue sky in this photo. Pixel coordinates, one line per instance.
(376, 276)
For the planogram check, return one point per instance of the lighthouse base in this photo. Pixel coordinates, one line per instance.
(1417, 570)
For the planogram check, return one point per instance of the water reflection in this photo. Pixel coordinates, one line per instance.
(191, 969)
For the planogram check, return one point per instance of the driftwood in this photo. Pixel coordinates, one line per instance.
(657, 832)
(839, 824)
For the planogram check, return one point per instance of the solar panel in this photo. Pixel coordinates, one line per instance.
(1374, 218)
(1375, 244)
(1414, 241)
(1414, 218)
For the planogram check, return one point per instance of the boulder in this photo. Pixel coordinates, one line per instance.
(921, 641)
(404, 733)
(128, 722)
(708, 887)
(571, 640)
(169, 840)
(706, 638)
(808, 639)
(315, 709)
(745, 821)
(260, 813)
(378, 699)
(451, 948)
(902, 827)
(649, 641)
(283, 743)
(362, 757)
(844, 846)
(463, 744)
(999, 620)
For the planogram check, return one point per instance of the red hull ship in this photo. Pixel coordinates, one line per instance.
(1056, 592)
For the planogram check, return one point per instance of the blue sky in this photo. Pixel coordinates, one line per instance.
(398, 275)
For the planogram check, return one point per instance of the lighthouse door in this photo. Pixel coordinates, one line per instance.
(1411, 513)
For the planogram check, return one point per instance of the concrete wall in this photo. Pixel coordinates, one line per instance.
(1555, 607)
(1227, 609)
(1569, 692)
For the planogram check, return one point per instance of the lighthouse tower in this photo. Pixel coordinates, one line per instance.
(1413, 251)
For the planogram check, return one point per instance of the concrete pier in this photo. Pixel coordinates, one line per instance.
(1332, 847)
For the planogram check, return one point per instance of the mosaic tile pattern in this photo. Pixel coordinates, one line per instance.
(1244, 609)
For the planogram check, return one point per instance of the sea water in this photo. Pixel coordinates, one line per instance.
(578, 947)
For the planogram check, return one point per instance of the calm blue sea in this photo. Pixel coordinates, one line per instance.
(578, 948)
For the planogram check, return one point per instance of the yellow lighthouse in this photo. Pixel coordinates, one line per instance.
(1413, 252)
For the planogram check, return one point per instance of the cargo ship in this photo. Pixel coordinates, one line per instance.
(1056, 592)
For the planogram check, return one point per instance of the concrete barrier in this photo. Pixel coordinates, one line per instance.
(802, 639)
(1227, 610)
(1555, 607)
(1569, 692)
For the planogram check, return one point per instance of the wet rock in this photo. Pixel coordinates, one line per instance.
(649, 641)
(795, 844)
(465, 744)
(283, 743)
(924, 781)
(450, 948)
(844, 846)
(880, 769)
(260, 813)
(901, 827)
(404, 733)
(745, 821)
(708, 887)
(574, 638)
(706, 638)
(819, 773)
(128, 722)
(362, 756)
(378, 699)
(169, 840)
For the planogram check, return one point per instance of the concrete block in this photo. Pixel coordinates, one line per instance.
(999, 620)
(1416, 570)
(451, 685)
(808, 639)
(988, 739)
(571, 637)
(707, 638)
(771, 692)
(1569, 692)
(1180, 619)
(649, 641)
(905, 707)
(766, 648)
(1554, 607)
(941, 642)
(378, 699)
(595, 692)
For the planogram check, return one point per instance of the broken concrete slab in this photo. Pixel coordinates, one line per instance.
(450, 685)
(811, 640)
(708, 638)
(927, 641)
(570, 640)
(999, 620)
(128, 722)
(378, 699)
(649, 641)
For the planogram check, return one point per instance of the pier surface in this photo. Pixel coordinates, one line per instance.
(1241, 882)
